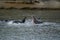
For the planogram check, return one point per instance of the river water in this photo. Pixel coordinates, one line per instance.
(48, 30)
(45, 15)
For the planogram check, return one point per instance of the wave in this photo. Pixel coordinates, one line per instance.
(28, 22)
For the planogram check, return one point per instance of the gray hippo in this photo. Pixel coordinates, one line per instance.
(17, 21)
(36, 21)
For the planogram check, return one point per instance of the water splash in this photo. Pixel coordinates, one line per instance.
(28, 23)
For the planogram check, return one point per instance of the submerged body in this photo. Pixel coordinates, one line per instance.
(17, 21)
(36, 21)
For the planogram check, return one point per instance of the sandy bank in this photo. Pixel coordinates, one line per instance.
(30, 5)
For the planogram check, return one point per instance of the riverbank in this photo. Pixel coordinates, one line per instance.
(27, 5)
(24, 6)
(28, 8)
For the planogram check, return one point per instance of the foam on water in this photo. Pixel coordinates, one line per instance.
(29, 23)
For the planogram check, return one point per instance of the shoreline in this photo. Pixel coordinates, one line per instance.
(29, 8)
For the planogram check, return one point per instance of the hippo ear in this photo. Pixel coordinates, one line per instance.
(33, 16)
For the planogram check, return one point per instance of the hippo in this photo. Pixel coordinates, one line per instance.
(36, 21)
(18, 21)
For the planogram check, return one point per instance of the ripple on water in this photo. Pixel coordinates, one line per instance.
(29, 31)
